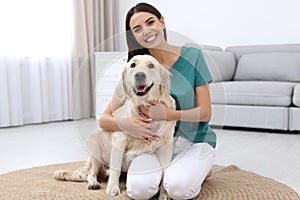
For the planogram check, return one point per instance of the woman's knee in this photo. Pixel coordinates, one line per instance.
(141, 188)
(180, 187)
(179, 190)
(143, 177)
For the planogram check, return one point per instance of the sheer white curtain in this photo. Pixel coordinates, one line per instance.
(35, 61)
(96, 29)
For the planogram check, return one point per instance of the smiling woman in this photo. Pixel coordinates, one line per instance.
(35, 61)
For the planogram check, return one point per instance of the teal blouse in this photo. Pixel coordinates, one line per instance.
(188, 72)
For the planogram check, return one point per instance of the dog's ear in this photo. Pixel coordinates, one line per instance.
(124, 84)
(120, 90)
(165, 81)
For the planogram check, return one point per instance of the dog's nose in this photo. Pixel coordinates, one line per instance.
(140, 76)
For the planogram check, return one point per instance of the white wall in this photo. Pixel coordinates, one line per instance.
(228, 22)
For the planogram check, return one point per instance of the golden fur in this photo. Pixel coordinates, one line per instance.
(107, 149)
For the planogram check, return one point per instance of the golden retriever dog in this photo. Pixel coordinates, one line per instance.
(143, 80)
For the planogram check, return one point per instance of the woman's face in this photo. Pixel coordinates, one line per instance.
(147, 29)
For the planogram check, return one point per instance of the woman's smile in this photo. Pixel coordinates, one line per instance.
(150, 39)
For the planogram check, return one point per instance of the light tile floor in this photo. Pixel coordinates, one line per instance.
(271, 154)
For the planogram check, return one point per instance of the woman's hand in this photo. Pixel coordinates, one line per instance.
(157, 111)
(139, 127)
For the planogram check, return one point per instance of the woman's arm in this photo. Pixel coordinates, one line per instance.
(136, 126)
(107, 121)
(202, 113)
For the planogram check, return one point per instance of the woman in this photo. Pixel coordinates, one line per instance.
(194, 144)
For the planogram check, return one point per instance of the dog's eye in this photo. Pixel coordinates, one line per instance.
(132, 65)
(151, 65)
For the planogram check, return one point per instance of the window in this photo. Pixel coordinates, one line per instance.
(35, 28)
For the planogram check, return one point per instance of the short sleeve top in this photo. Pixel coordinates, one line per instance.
(187, 73)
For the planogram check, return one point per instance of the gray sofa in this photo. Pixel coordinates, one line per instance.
(255, 86)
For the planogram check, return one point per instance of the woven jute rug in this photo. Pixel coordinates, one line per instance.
(226, 183)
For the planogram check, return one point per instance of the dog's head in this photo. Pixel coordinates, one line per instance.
(144, 78)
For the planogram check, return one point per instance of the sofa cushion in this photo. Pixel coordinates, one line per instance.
(269, 67)
(263, 93)
(296, 95)
(294, 118)
(221, 65)
(238, 51)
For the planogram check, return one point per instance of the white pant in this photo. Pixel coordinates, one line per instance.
(183, 178)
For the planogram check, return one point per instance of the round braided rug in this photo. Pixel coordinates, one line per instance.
(226, 183)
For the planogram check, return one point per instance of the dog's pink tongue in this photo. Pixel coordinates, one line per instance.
(141, 89)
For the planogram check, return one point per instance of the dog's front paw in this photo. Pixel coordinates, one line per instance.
(113, 190)
(94, 186)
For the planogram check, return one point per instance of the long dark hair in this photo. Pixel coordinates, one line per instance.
(134, 48)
